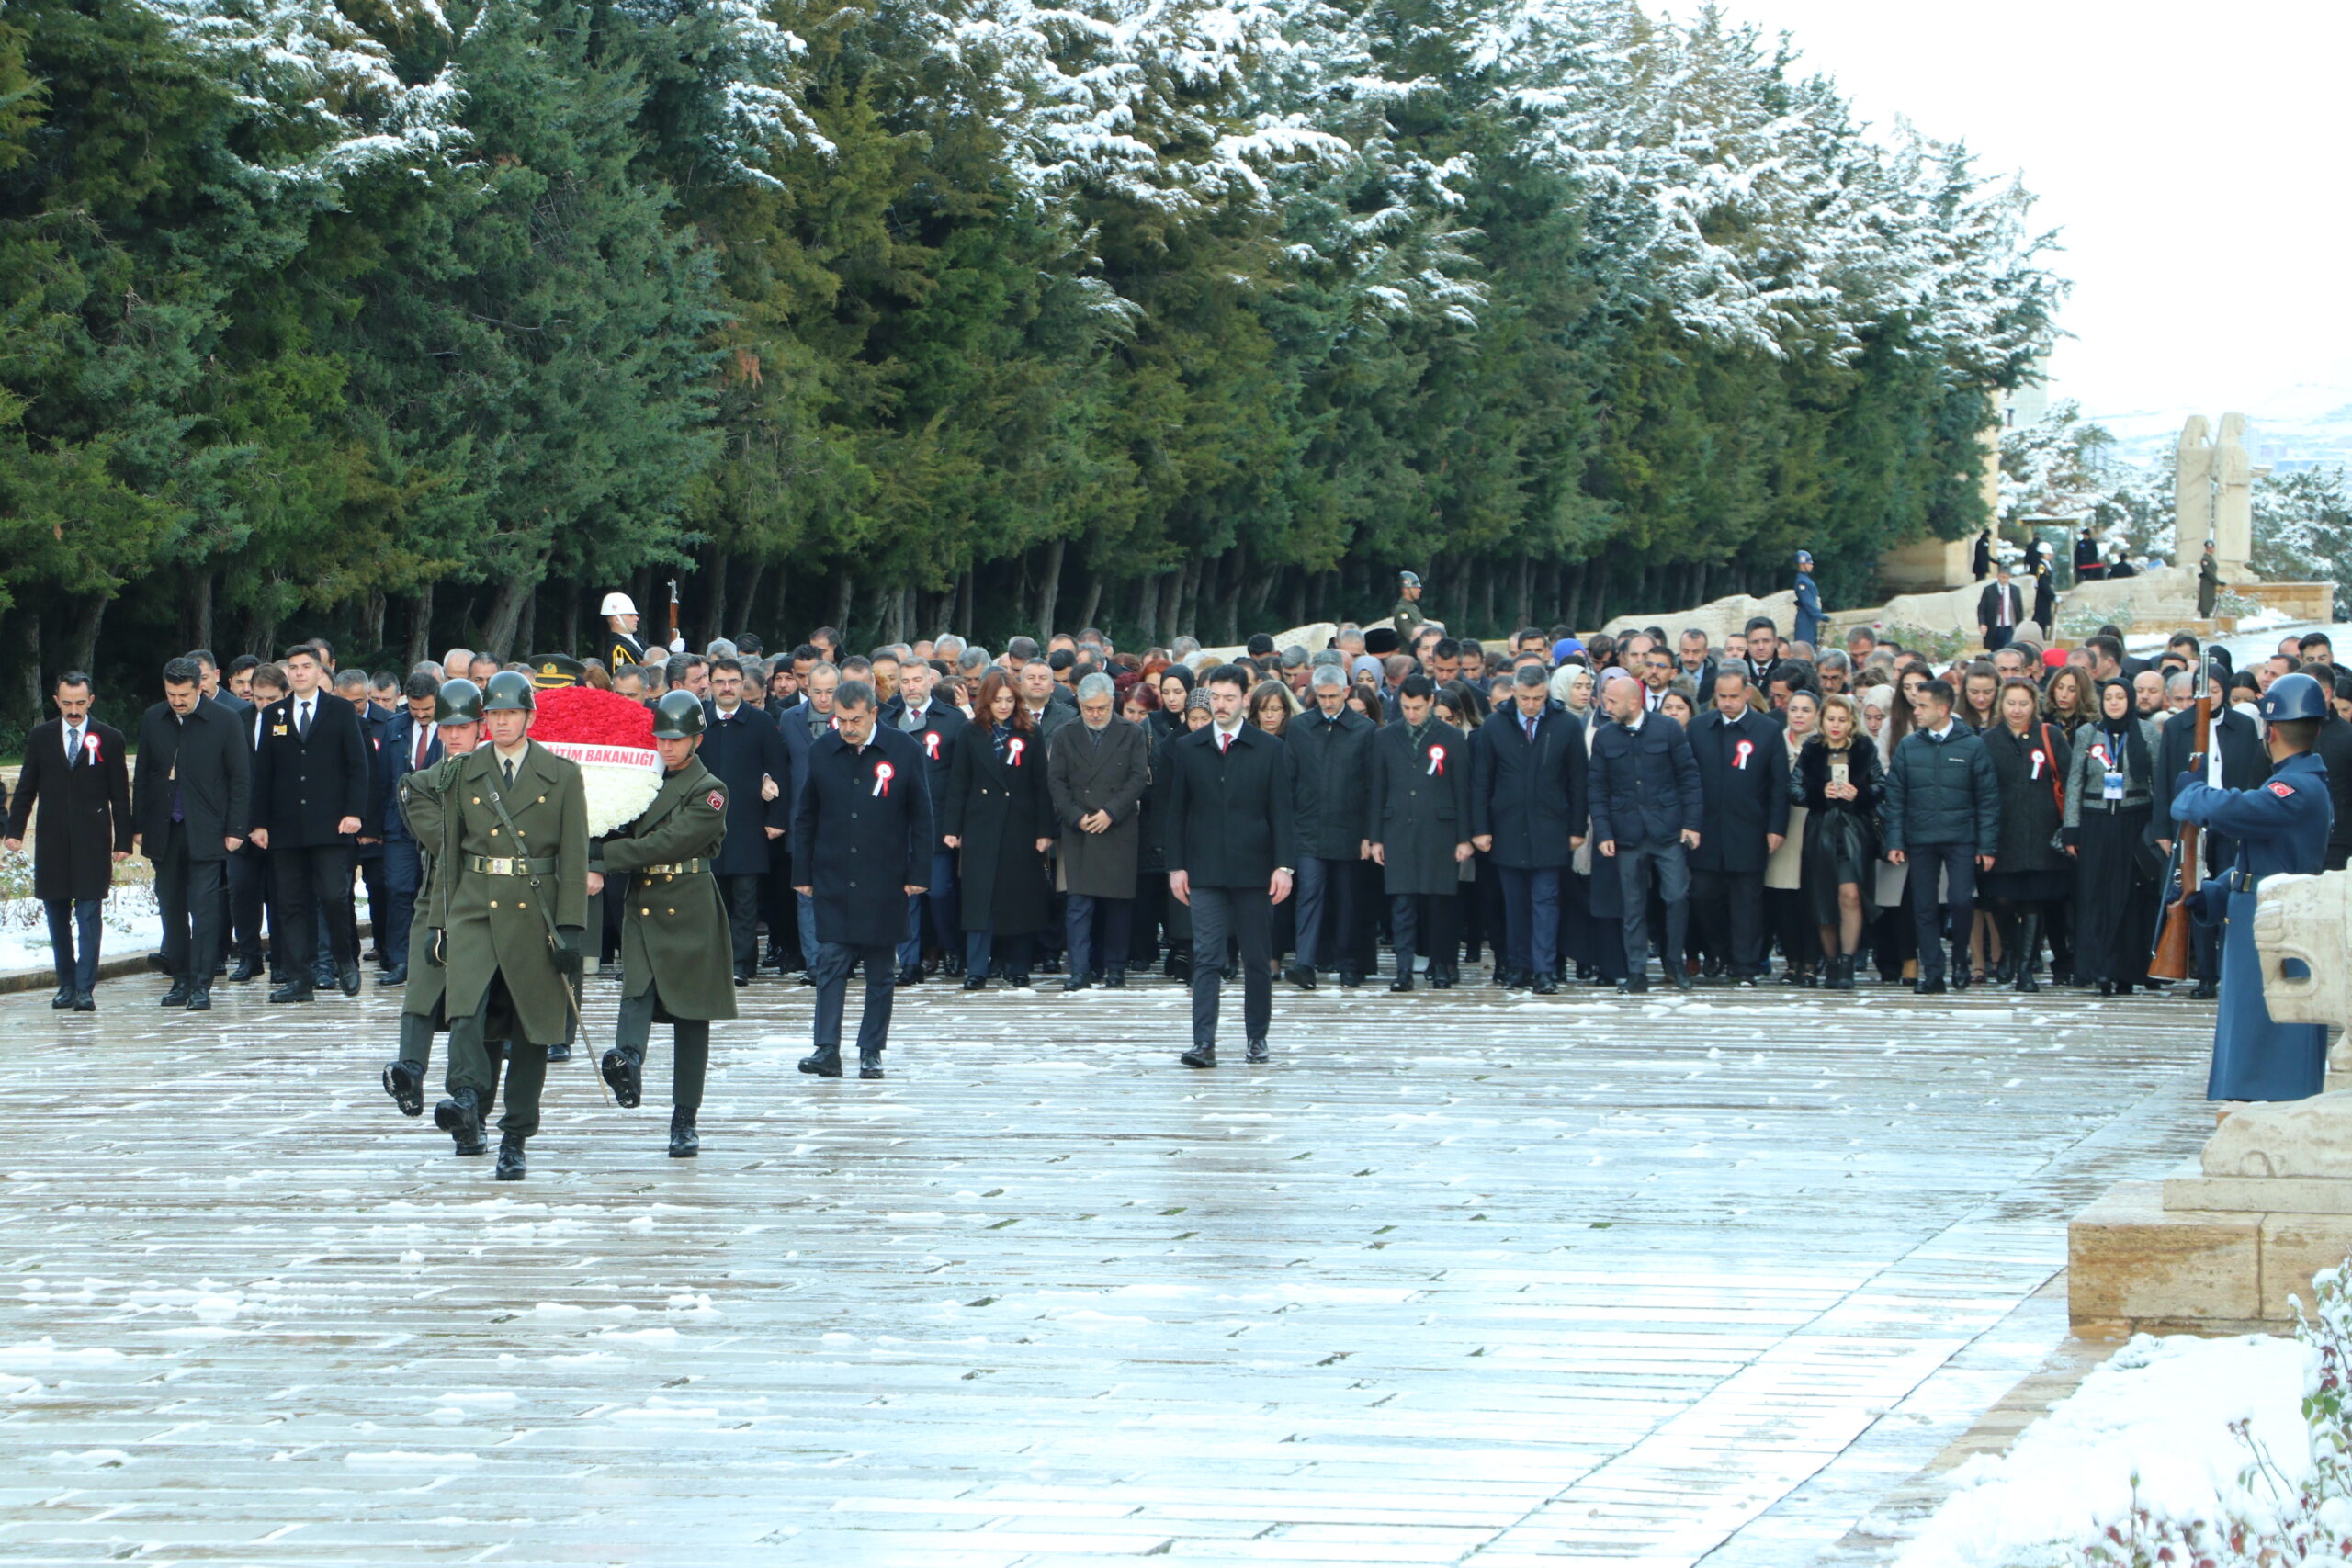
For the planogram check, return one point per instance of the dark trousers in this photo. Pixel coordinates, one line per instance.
(689, 1045)
(1637, 865)
(77, 962)
(1730, 906)
(743, 896)
(1425, 923)
(941, 901)
(1321, 881)
(1247, 914)
(1118, 917)
(248, 897)
(372, 877)
(1998, 638)
(1955, 867)
(318, 877)
(1530, 918)
(187, 892)
(988, 954)
(473, 1066)
(835, 962)
(404, 875)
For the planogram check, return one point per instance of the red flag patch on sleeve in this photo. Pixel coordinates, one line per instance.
(717, 801)
(2281, 788)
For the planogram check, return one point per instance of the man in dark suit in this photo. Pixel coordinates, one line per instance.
(189, 805)
(1742, 816)
(861, 844)
(249, 867)
(310, 779)
(78, 768)
(1098, 772)
(1331, 747)
(933, 726)
(410, 744)
(1230, 841)
(743, 747)
(1527, 809)
(803, 725)
(1645, 815)
(1998, 610)
(367, 851)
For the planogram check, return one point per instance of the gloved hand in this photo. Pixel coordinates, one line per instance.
(436, 950)
(677, 645)
(571, 950)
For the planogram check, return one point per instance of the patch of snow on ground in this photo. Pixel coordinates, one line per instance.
(132, 926)
(2158, 1410)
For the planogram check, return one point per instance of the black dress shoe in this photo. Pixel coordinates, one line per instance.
(1199, 1056)
(1116, 979)
(1926, 987)
(2204, 991)
(404, 1081)
(741, 981)
(1078, 983)
(951, 965)
(460, 1117)
(64, 1000)
(179, 995)
(200, 999)
(1350, 979)
(558, 1052)
(1257, 1052)
(1022, 982)
(1635, 986)
(396, 976)
(625, 1071)
(246, 969)
(976, 982)
(825, 1062)
(685, 1142)
(1404, 981)
(1299, 974)
(84, 1002)
(511, 1163)
(809, 976)
(1545, 985)
(1680, 976)
(911, 974)
(348, 979)
(869, 1063)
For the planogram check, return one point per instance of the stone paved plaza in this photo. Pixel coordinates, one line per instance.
(1459, 1278)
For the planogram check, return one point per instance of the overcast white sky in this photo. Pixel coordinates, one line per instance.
(2193, 157)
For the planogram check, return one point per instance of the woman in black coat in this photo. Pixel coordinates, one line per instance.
(2115, 893)
(1839, 782)
(2030, 879)
(998, 817)
(1421, 831)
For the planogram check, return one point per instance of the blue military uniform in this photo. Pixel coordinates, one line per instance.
(1808, 628)
(2281, 827)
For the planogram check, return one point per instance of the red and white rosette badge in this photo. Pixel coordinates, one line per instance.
(1437, 761)
(612, 739)
(2039, 758)
(931, 744)
(1012, 750)
(882, 773)
(1741, 753)
(90, 746)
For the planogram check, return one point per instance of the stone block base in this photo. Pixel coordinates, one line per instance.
(2134, 1267)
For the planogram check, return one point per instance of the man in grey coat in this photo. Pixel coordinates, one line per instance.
(1331, 745)
(1097, 770)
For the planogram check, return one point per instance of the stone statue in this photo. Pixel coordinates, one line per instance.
(2192, 490)
(2214, 494)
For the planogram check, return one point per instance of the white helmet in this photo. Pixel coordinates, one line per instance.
(618, 605)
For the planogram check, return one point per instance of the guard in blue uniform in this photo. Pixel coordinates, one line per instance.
(1808, 601)
(2281, 827)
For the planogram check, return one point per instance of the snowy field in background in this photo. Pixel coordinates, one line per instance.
(134, 926)
(2151, 1425)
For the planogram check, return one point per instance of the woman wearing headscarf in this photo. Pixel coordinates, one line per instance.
(1572, 689)
(1175, 691)
(2031, 878)
(2109, 800)
(1839, 782)
(1787, 913)
(998, 817)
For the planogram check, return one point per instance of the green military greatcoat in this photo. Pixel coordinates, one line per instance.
(420, 805)
(674, 936)
(1407, 618)
(498, 922)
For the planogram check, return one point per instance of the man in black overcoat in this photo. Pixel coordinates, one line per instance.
(189, 805)
(743, 747)
(310, 798)
(933, 726)
(1742, 816)
(1331, 747)
(861, 841)
(77, 768)
(1230, 840)
(1527, 810)
(1645, 819)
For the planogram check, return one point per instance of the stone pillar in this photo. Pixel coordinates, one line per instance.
(2233, 501)
(2192, 492)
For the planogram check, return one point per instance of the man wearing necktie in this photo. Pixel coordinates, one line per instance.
(743, 747)
(1527, 809)
(190, 805)
(412, 744)
(76, 767)
(311, 800)
(1998, 610)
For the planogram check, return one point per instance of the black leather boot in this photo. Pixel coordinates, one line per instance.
(404, 1081)
(179, 995)
(869, 1062)
(825, 1062)
(2028, 952)
(685, 1142)
(511, 1163)
(625, 1071)
(460, 1117)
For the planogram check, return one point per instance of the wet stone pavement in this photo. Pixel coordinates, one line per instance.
(1458, 1279)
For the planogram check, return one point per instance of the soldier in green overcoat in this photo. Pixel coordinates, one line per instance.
(1407, 616)
(515, 915)
(676, 955)
(457, 718)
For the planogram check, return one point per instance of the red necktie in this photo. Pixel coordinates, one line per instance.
(424, 740)
(1223, 741)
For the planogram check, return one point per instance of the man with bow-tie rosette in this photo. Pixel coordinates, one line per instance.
(860, 845)
(933, 726)
(1527, 812)
(1742, 816)
(1419, 822)
(76, 769)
